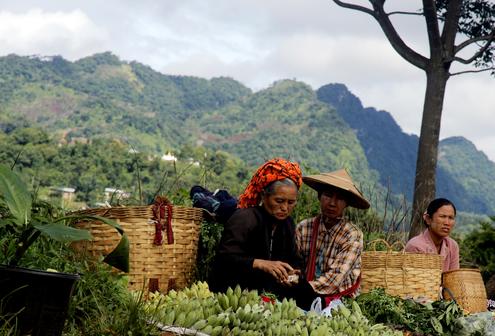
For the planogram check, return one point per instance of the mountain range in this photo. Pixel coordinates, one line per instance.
(103, 97)
(465, 175)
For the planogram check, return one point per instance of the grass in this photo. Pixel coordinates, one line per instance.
(102, 305)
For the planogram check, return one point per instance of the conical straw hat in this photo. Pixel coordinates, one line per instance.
(338, 179)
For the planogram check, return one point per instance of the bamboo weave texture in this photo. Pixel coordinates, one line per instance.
(167, 264)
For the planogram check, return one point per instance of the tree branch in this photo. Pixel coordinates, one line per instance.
(431, 19)
(478, 53)
(355, 7)
(472, 71)
(389, 30)
(470, 41)
(395, 40)
(405, 13)
(450, 26)
(469, 60)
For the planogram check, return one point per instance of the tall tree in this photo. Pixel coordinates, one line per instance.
(454, 28)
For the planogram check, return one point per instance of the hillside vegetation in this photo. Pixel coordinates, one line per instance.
(100, 122)
(464, 174)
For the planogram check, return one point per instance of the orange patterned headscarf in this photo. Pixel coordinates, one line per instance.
(271, 171)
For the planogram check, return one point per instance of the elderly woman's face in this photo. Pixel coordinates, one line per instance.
(281, 202)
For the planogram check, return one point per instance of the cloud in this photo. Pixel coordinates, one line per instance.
(469, 108)
(321, 57)
(71, 34)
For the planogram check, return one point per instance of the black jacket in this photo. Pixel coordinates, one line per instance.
(247, 236)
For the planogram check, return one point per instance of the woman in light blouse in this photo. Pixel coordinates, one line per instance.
(440, 220)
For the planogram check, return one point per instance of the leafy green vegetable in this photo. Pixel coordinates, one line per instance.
(435, 318)
(15, 195)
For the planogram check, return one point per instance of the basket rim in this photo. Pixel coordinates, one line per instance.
(134, 207)
(130, 211)
(475, 270)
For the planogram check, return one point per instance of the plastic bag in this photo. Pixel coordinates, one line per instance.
(317, 304)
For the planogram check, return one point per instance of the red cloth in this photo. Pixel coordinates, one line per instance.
(271, 171)
(161, 205)
(348, 292)
(310, 269)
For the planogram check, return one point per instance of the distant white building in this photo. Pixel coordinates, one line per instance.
(65, 193)
(193, 162)
(168, 157)
(112, 193)
(42, 58)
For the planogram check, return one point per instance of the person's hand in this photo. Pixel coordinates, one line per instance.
(278, 269)
(293, 278)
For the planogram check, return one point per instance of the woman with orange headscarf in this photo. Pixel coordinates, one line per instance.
(257, 249)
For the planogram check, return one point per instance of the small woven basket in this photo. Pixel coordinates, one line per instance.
(163, 266)
(466, 287)
(404, 274)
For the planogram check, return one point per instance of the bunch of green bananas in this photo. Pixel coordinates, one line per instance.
(350, 321)
(241, 312)
(235, 298)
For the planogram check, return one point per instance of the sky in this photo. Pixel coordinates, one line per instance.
(258, 42)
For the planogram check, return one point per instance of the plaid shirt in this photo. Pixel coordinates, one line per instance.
(338, 254)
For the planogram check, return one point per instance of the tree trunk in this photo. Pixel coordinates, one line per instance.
(424, 184)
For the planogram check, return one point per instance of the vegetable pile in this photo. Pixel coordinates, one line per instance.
(242, 312)
(434, 318)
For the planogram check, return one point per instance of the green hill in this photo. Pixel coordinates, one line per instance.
(464, 174)
(101, 103)
(101, 96)
(473, 173)
(285, 120)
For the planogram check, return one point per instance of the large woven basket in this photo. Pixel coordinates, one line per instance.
(404, 274)
(466, 287)
(163, 266)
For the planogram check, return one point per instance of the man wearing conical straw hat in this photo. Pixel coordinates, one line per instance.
(329, 244)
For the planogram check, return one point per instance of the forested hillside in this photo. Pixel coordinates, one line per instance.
(101, 96)
(467, 174)
(89, 168)
(464, 174)
(102, 122)
(285, 120)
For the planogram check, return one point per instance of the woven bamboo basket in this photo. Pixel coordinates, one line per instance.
(466, 287)
(404, 274)
(164, 266)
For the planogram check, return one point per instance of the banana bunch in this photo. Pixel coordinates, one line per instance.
(349, 321)
(235, 298)
(287, 309)
(287, 327)
(183, 308)
(243, 319)
(234, 312)
(241, 312)
(198, 289)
